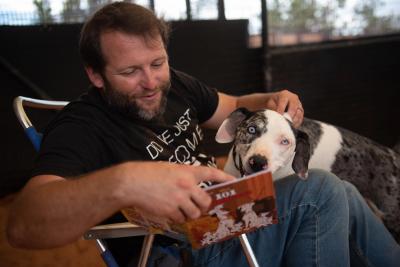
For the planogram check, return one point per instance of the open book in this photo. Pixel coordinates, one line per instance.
(237, 207)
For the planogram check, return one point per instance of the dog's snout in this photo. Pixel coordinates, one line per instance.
(258, 163)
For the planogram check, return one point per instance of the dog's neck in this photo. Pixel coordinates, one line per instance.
(230, 165)
(285, 170)
(237, 161)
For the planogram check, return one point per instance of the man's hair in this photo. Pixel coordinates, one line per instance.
(118, 16)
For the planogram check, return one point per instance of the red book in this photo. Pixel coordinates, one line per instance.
(237, 207)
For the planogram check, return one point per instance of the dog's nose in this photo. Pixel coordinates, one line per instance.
(258, 163)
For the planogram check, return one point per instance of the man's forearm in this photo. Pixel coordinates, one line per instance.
(59, 211)
(52, 211)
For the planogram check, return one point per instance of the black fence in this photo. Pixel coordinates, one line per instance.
(352, 83)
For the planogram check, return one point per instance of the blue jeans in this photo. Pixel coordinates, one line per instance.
(323, 221)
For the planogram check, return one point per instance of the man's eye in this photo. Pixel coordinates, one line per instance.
(157, 64)
(251, 130)
(128, 72)
(285, 142)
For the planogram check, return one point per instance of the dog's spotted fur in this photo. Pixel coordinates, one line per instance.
(314, 132)
(254, 128)
(371, 167)
(256, 122)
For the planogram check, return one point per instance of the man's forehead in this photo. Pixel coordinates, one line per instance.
(120, 49)
(120, 38)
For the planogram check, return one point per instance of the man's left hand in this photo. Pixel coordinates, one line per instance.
(286, 101)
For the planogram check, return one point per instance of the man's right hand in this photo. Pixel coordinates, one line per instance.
(65, 208)
(169, 191)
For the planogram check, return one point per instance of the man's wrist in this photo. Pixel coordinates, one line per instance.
(123, 176)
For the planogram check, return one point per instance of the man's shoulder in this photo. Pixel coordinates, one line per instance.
(89, 103)
(86, 110)
(186, 84)
(180, 76)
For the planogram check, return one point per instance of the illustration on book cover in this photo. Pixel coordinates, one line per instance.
(237, 207)
(228, 227)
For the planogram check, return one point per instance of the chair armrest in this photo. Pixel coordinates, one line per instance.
(115, 230)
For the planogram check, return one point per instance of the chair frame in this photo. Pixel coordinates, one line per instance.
(103, 231)
(99, 232)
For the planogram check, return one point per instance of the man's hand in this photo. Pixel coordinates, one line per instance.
(282, 101)
(286, 101)
(171, 191)
(65, 208)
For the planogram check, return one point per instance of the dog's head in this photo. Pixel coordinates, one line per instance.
(264, 140)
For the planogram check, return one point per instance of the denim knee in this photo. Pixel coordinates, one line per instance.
(329, 193)
(325, 186)
(327, 176)
(322, 190)
(329, 179)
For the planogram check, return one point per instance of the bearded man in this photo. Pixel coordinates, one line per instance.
(135, 139)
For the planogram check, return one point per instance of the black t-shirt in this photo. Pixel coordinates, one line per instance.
(88, 135)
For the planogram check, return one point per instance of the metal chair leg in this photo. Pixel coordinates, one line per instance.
(106, 254)
(248, 251)
(146, 249)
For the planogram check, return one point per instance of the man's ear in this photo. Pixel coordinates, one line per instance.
(302, 155)
(227, 130)
(95, 77)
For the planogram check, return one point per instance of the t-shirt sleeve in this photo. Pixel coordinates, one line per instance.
(67, 150)
(203, 98)
(209, 103)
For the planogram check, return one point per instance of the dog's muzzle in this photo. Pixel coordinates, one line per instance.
(258, 163)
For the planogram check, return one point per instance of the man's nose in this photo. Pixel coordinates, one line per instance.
(149, 80)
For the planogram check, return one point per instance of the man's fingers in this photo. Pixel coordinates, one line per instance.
(190, 209)
(298, 117)
(211, 174)
(282, 104)
(201, 199)
(292, 113)
(288, 102)
(293, 107)
(177, 216)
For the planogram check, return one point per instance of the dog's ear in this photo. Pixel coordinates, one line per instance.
(227, 130)
(287, 116)
(302, 154)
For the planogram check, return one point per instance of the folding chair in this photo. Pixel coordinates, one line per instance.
(111, 230)
(99, 232)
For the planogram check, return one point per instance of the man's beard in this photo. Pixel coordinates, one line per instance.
(127, 105)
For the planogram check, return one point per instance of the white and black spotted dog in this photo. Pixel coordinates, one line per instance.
(266, 140)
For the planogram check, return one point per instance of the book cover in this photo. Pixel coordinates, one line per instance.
(237, 207)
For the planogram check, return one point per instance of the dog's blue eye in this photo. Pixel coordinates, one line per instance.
(251, 129)
(285, 142)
